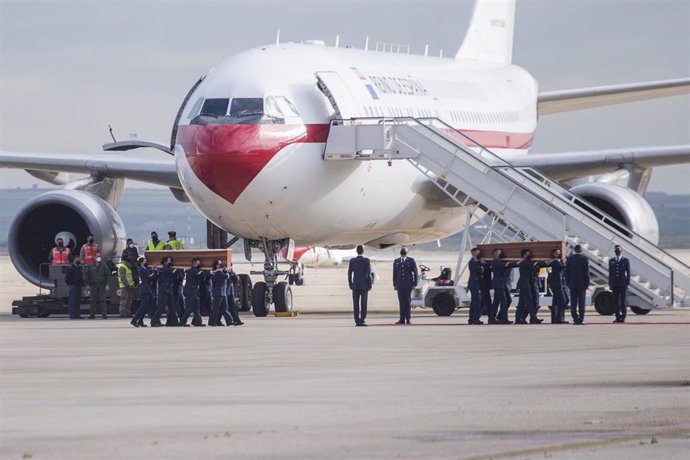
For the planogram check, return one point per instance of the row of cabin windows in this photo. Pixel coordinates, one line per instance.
(458, 116)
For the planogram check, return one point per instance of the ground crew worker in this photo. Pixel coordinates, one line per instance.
(232, 315)
(474, 283)
(220, 293)
(146, 283)
(88, 251)
(60, 254)
(193, 279)
(173, 242)
(555, 281)
(128, 290)
(577, 271)
(155, 244)
(97, 275)
(74, 278)
(619, 280)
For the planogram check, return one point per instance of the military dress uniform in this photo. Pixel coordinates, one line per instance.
(165, 298)
(500, 272)
(147, 277)
(555, 281)
(193, 279)
(485, 288)
(359, 280)
(526, 304)
(619, 280)
(474, 284)
(404, 280)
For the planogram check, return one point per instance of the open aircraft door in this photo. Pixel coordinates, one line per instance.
(337, 92)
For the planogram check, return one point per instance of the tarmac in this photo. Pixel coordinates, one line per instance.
(315, 386)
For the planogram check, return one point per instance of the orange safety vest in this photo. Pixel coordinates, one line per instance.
(89, 253)
(60, 257)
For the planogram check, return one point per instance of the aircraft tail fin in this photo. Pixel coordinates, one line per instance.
(489, 36)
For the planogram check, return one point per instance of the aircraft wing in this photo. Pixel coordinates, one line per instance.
(571, 165)
(160, 172)
(584, 98)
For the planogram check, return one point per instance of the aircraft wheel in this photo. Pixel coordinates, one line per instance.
(638, 310)
(443, 304)
(245, 288)
(603, 303)
(282, 294)
(259, 303)
(23, 315)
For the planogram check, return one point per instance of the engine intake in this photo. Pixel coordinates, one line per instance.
(33, 230)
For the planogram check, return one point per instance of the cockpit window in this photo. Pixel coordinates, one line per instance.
(215, 107)
(246, 106)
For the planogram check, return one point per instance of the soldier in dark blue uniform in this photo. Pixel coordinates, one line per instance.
(231, 314)
(500, 269)
(193, 277)
(619, 280)
(206, 293)
(555, 281)
(474, 283)
(146, 281)
(359, 280)
(165, 295)
(404, 280)
(485, 287)
(577, 271)
(525, 284)
(178, 291)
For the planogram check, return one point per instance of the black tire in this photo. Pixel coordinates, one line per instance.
(245, 292)
(23, 315)
(638, 310)
(282, 295)
(604, 304)
(299, 280)
(259, 304)
(443, 304)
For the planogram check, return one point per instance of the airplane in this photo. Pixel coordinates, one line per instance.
(247, 148)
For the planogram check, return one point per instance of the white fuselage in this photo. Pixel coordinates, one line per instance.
(263, 175)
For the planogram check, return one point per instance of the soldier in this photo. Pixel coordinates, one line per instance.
(97, 275)
(178, 294)
(88, 251)
(404, 280)
(485, 287)
(60, 254)
(359, 280)
(555, 281)
(231, 315)
(526, 304)
(193, 279)
(128, 287)
(500, 270)
(173, 242)
(206, 293)
(577, 271)
(220, 293)
(74, 278)
(474, 286)
(155, 244)
(165, 295)
(619, 280)
(147, 278)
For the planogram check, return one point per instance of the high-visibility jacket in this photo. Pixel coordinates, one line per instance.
(128, 276)
(155, 247)
(175, 245)
(60, 256)
(88, 253)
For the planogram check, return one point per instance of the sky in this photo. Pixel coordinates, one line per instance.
(68, 69)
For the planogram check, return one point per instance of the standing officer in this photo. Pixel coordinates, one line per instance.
(97, 275)
(404, 280)
(74, 278)
(555, 281)
(619, 280)
(526, 286)
(173, 242)
(500, 270)
(60, 254)
(359, 279)
(193, 277)
(88, 251)
(128, 287)
(474, 286)
(146, 289)
(165, 295)
(577, 271)
(155, 244)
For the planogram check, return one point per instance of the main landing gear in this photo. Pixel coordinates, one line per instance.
(270, 291)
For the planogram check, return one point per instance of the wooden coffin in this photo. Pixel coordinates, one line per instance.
(183, 258)
(541, 250)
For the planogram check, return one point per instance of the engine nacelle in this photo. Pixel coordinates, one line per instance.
(33, 230)
(624, 205)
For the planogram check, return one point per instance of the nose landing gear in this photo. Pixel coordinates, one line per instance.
(270, 291)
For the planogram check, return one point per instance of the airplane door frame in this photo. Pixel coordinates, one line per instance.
(339, 95)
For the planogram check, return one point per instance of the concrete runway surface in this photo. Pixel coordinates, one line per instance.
(314, 386)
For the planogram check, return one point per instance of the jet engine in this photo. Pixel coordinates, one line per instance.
(623, 204)
(73, 214)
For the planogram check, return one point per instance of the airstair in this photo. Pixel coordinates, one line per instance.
(517, 204)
